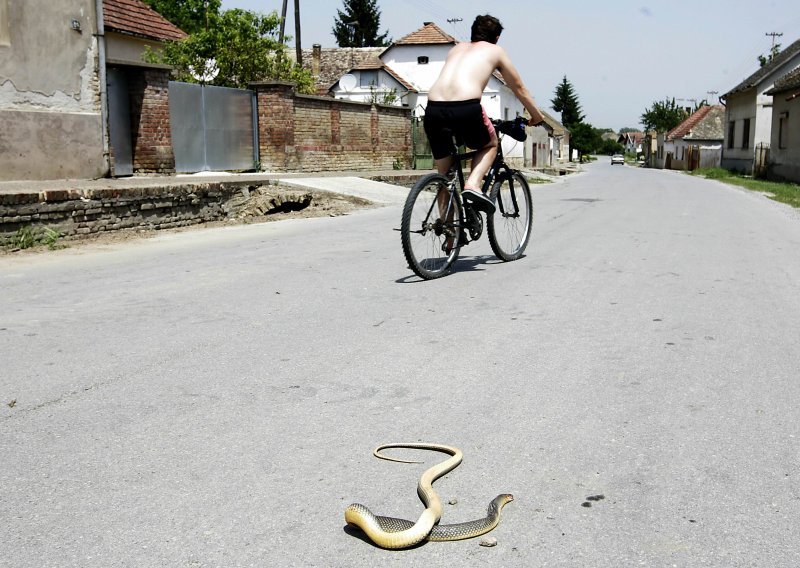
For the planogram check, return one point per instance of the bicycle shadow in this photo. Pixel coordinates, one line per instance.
(476, 263)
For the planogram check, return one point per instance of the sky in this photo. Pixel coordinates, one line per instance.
(620, 56)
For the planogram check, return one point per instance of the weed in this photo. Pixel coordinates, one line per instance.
(784, 192)
(30, 236)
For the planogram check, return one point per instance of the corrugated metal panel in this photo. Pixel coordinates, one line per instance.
(213, 128)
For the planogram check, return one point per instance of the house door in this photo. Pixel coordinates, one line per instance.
(119, 122)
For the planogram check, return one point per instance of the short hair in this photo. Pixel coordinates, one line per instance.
(486, 28)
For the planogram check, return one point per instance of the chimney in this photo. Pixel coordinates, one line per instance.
(316, 55)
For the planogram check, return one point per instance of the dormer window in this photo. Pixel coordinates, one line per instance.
(369, 79)
(422, 60)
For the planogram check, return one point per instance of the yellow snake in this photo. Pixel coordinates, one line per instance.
(390, 532)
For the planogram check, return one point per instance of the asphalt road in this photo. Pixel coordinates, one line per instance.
(212, 398)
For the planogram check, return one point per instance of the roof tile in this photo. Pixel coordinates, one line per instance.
(429, 34)
(134, 17)
(755, 78)
(706, 119)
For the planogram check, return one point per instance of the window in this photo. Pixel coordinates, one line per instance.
(746, 134)
(783, 130)
(5, 38)
(731, 133)
(422, 60)
(369, 78)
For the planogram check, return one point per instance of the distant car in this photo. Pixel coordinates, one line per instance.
(618, 159)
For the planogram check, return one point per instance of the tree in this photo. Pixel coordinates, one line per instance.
(609, 147)
(189, 15)
(240, 46)
(763, 60)
(663, 116)
(627, 129)
(585, 138)
(566, 102)
(358, 25)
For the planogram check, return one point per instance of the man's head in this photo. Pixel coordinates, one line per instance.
(486, 28)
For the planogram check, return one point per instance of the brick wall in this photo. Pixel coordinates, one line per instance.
(150, 128)
(309, 133)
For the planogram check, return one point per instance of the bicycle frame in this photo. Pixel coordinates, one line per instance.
(492, 175)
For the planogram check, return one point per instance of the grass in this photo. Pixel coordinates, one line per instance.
(30, 236)
(784, 192)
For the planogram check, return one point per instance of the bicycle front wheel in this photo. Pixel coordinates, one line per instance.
(510, 227)
(432, 221)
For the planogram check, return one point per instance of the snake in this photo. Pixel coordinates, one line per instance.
(394, 533)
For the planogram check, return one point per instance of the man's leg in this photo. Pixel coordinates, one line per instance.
(443, 166)
(480, 165)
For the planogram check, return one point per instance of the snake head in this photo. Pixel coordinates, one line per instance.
(500, 501)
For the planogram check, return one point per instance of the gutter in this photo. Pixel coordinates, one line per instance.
(101, 43)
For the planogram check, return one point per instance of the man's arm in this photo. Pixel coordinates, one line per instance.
(514, 82)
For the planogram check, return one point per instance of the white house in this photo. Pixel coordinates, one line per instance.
(698, 135)
(407, 70)
(785, 145)
(748, 114)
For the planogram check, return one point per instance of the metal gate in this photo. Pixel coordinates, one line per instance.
(213, 128)
(119, 122)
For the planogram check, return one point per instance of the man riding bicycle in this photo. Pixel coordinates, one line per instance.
(454, 104)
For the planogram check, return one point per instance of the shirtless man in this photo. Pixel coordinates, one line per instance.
(454, 102)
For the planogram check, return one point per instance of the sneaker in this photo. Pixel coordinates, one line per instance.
(479, 200)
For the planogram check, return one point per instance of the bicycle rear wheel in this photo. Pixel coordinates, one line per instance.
(510, 226)
(432, 221)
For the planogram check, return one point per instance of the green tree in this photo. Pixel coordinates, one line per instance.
(585, 139)
(663, 116)
(609, 147)
(189, 15)
(239, 47)
(763, 60)
(358, 25)
(566, 102)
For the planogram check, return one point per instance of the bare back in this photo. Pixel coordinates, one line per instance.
(466, 71)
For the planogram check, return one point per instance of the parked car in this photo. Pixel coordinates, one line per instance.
(618, 159)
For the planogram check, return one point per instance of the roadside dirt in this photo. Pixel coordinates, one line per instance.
(262, 207)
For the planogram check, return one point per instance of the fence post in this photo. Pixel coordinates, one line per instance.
(276, 125)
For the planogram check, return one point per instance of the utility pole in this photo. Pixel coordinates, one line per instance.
(712, 93)
(283, 22)
(298, 48)
(774, 35)
(454, 21)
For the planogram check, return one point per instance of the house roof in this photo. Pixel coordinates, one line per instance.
(789, 82)
(134, 17)
(704, 124)
(635, 137)
(756, 78)
(380, 65)
(558, 128)
(429, 34)
(336, 61)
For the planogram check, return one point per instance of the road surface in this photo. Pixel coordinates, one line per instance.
(212, 398)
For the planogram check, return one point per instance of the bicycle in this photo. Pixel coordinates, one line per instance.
(437, 221)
